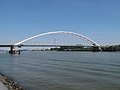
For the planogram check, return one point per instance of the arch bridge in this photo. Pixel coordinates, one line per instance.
(80, 36)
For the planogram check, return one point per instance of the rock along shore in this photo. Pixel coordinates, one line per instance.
(9, 83)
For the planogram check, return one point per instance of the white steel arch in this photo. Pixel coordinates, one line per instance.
(88, 40)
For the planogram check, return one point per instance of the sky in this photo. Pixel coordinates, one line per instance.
(96, 19)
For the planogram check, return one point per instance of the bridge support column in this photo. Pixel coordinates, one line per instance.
(13, 50)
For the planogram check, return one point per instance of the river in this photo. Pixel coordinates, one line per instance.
(52, 70)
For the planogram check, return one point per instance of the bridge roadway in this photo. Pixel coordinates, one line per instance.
(45, 45)
(36, 45)
(6, 45)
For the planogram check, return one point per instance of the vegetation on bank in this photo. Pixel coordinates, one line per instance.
(111, 48)
(87, 48)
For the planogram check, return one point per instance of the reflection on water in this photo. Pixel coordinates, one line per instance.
(46, 70)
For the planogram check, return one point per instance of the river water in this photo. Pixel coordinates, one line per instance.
(52, 70)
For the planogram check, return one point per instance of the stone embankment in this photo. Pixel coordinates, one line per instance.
(9, 83)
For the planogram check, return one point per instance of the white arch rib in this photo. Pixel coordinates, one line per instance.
(88, 40)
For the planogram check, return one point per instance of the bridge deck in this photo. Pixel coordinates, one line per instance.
(6, 45)
(39, 45)
(46, 45)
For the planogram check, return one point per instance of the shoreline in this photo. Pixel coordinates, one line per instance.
(9, 83)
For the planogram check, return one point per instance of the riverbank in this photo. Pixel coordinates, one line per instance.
(9, 83)
(2, 86)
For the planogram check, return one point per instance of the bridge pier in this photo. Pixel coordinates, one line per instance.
(13, 50)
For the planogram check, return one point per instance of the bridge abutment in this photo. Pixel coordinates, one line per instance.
(96, 48)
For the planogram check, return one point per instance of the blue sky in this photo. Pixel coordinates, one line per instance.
(97, 19)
